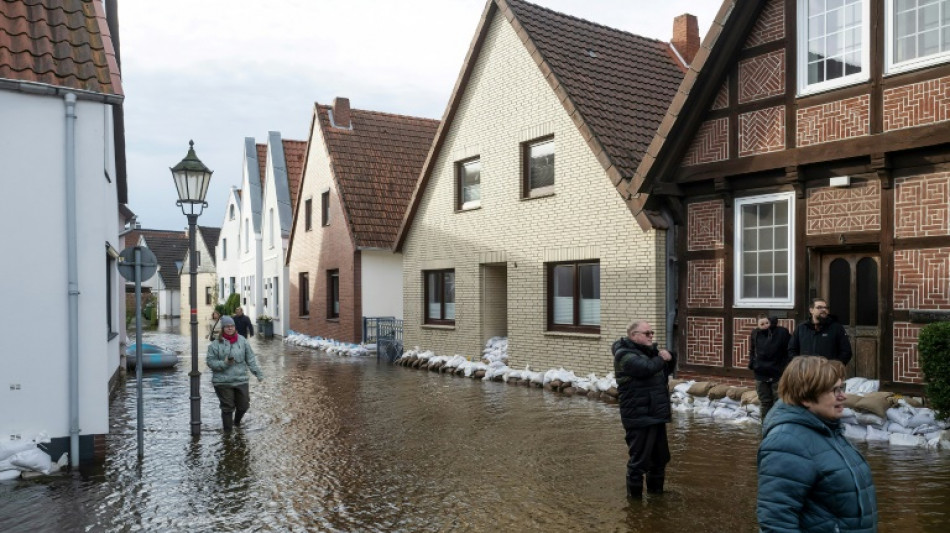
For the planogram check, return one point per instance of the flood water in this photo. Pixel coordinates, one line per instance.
(346, 444)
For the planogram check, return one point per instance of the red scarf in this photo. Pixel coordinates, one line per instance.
(231, 338)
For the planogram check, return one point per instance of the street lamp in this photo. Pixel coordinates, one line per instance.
(191, 179)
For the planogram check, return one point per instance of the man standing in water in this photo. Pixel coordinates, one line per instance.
(822, 335)
(642, 371)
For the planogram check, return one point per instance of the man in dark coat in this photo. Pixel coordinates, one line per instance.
(768, 357)
(822, 335)
(642, 371)
(243, 323)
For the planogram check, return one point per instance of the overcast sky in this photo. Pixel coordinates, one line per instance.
(217, 71)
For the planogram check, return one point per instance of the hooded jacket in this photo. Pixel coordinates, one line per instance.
(828, 339)
(811, 478)
(768, 351)
(641, 381)
(236, 372)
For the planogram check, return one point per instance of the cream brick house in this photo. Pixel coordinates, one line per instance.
(517, 227)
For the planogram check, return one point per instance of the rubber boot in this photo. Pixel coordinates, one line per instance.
(227, 420)
(655, 484)
(635, 487)
(238, 415)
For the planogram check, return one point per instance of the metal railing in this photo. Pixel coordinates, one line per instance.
(386, 333)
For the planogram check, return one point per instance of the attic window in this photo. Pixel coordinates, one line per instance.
(591, 53)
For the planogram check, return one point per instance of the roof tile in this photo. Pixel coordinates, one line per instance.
(294, 154)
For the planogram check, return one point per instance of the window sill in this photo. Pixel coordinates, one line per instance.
(333, 319)
(112, 335)
(537, 195)
(467, 209)
(444, 327)
(572, 334)
(304, 317)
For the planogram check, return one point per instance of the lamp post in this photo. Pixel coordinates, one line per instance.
(191, 180)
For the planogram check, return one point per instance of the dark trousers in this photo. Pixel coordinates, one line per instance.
(768, 394)
(233, 397)
(649, 453)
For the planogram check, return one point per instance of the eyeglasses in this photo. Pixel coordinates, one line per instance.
(821, 307)
(838, 391)
(649, 333)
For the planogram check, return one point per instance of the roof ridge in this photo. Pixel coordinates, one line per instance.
(383, 113)
(585, 21)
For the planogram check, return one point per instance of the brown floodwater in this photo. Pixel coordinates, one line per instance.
(349, 444)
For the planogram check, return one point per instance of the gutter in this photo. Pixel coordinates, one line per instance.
(44, 89)
(72, 278)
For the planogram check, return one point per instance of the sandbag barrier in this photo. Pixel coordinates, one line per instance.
(25, 458)
(330, 346)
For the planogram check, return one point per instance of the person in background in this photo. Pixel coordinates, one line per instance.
(821, 335)
(216, 316)
(243, 323)
(229, 358)
(642, 373)
(768, 357)
(810, 477)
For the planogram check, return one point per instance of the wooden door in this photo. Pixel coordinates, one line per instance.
(851, 283)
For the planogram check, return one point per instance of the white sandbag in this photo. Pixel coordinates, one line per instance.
(33, 459)
(894, 427)
(853, 420)
(684, 386)
(704, 411)
(700, 401)
(724, 412)
(9, 475)
(900, 439)
(6, 465)
(682, 407)
(878, 435)
(941, 440)
(923, 416)
(9, 448)
(861, 385)
(901, 415)
(847, 412)
(681, 397)
(855, 432)
(869, 419)
(727, 401)
(925, 429)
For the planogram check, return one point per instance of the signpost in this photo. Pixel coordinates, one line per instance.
(136, 263)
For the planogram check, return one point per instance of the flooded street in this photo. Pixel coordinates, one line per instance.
(346, 444)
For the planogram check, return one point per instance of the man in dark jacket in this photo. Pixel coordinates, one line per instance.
(243, 323)
(768, 357)
(822, 335)
(642, 371)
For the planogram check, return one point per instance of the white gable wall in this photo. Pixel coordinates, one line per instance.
(205, 279)
(228, 254)
(274, 244)
(250, 236)
(381, 283)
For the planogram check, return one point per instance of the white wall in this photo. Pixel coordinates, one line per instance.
(382, 283)
(273, 245)
(250, 262)
(34, 281)
(228, 265)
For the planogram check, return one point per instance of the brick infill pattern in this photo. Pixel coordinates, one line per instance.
(922, 279)
(762, 76)
(710, 144)
(844, 209)
(834, 121)
(762, 131)
(704, 341)
(917, 104)
(770, 26)
(906, 360)
(705, 283)
(705, 225)
(922, 205)
(741, 333)
(722, 97)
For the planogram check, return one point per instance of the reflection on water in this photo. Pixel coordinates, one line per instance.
(341, 444)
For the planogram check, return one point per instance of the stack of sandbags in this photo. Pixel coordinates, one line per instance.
(23, 456)
(886, 417)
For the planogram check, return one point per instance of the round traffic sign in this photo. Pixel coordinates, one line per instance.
(126, 263)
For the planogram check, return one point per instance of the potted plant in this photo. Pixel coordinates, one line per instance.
(265, 325)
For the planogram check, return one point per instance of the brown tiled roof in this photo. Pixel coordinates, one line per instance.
(376, 164)
(62, 43)
(169, 247)
(294, 153)
(262, 162)
(210, 236)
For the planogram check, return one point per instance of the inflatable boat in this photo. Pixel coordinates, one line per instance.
(153, 357)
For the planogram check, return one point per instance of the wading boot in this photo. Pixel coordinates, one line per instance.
(634, 488)
(238, 415)
(227, 420)
(655, 484)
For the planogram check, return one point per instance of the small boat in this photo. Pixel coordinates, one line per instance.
(153, 357)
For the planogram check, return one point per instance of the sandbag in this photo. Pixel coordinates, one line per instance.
(671, 384)
(717, 392)
(9, 448)
(900, 439)
(851, 400)
(900, 415)
(701, 388)
(9, 475)
(6, 465)
(922, 417)
(870, 419)
(855, 432)
(750, 397)
(33, 459)
(683, 387)
(894, 427)
(878, 435)
(736, 393)
(874, 402)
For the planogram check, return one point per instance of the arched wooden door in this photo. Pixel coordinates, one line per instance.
(851, 283)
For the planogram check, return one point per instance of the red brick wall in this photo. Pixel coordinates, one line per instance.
(916, 104)
(722, 380)
(762, 76)
(770, 26)
(844, 209)
(921, 205)
(834, 121)
(762, 131)
(710, 144)
(704, 288)
(704, 341)
(922, 279)
(704, 220)
(906, 361)
(722, 97)
(741, 332)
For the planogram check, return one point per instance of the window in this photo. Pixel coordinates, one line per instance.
(833, 43)
(304, 284)
(538, 167)
(918, 33)
(224, 248)
(197, 259)
(333, 294)
(247, 235)
(231, 212)
(270, 224)
(223, 293)
(110, 268)
(574, 296)
(209, 292)
(765, 226)
(439, 297)
(233, 286)
(469, 178)
(325, 208)
(308, 214)
(276, 297)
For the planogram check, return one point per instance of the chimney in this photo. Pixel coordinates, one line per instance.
(686, 36)
(341, 112)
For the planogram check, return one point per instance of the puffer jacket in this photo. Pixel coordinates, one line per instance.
(641, 381)
(828, 339)
(768, 351)
(811, 479)
(236, 372)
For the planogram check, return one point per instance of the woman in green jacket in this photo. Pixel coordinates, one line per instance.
(229, 358)
(810, 477)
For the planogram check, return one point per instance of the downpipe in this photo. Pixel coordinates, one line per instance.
(72, 269)
(672, 277)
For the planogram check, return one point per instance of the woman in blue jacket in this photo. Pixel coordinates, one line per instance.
(810, 477)
(229, 358)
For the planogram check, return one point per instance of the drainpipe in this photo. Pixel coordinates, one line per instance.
(672, 277)
(73, 279)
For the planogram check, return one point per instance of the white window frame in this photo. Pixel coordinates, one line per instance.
(771, 303)
(461, 204)
(804, 88)
(890, 66)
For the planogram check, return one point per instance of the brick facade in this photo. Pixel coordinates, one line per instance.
(762, 131)
(922, 279)
(710, 144)
(722, 97)
(741, 337)
(704, 223)
(770, 26)
(906, 360)
(922, 205)
(834, 121)
(704, 341)
(762, 76)
(833, 210)
(917, 104)
(705, 285)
